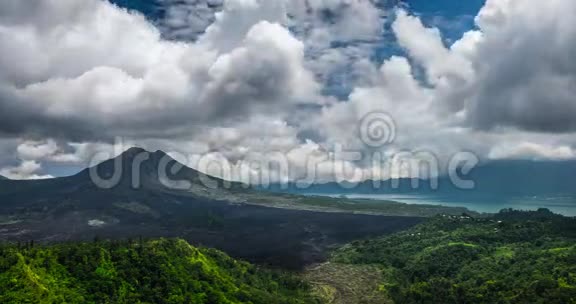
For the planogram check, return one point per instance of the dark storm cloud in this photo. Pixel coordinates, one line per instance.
(70, 73)
(527, 72)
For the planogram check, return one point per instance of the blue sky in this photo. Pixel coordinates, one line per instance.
(452, 17)
(446, 7)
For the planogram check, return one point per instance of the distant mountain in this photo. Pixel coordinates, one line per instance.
(3, 178)
(208, 211)
(498, 177)
(497, 184)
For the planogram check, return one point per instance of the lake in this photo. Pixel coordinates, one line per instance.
(562, 204)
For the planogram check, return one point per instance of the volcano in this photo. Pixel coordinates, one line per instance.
(149, 194)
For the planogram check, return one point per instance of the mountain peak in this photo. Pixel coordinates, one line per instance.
(134, 151)
(140, 167)
(137, 168)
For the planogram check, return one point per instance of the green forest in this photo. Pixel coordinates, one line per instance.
(154, 271)
(512, 257)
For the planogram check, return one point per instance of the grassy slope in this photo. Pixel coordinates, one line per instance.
(515, 257)
(158, 271)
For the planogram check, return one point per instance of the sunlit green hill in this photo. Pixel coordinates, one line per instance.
(156, 271)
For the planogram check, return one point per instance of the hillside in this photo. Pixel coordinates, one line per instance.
(513, 257)
(156, 271)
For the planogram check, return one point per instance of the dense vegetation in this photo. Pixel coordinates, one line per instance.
(156, 271)
(513, 257)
